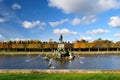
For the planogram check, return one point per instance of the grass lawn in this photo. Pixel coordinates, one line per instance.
(70, 76)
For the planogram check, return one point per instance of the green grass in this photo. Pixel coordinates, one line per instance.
(70, 76)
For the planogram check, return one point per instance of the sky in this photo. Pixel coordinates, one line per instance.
(48, 19)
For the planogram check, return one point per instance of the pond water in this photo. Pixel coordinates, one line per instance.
(109, 62)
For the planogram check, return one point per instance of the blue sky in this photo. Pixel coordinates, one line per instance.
(47, 19)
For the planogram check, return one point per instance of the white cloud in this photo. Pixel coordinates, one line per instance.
(18, 39)
(54, 24)
(64, 32)
(97, 31)
(41, 28)
(114, 22)
(2, 38)
(84, 6)
(27, 24)
(16, 6)
(84, 20)
(86, 38)
(2, 20)
(76, 21)
(117, 34)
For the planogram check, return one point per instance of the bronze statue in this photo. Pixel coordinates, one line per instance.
(61, 38)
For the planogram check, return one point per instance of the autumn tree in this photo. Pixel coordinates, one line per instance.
(117, 44)
(80, 44)
(97, 44)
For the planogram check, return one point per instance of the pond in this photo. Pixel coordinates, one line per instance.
(104, 62)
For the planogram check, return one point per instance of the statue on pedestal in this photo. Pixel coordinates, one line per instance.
(61, 38)
(62, 52)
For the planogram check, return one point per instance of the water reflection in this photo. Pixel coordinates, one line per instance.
(80, 62)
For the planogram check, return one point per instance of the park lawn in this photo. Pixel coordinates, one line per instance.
(58, 76)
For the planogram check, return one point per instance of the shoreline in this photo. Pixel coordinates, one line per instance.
(75, 52)
(54, 71)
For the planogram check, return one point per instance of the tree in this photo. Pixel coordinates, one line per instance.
(89, 46)
(97, 43)
(117, 44)
(9, 43)
(108, 44)
(79, 45)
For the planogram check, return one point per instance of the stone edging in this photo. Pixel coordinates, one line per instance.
(24, 71)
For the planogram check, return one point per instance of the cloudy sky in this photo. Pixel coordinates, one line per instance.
(46, 19)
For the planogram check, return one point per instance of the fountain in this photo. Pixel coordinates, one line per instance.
(29, 60)
(61, 53)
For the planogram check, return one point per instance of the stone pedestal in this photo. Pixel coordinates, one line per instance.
(61, 46)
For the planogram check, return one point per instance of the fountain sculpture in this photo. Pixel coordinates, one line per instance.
(61, 53)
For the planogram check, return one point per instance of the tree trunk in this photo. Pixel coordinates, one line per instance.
(107, 49)
(79, 49)
(117, 49)
(89, 49)
(98, 49)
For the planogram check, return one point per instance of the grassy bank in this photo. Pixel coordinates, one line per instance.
(60, 76)
(75, 52)
(19, 53)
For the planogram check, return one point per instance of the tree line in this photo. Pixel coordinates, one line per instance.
(79, 45)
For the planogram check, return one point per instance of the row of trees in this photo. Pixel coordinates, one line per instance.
(100, 45)
(83, 45)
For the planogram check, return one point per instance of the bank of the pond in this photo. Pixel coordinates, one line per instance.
(75, 52)
(22, 53)
(58, 76)
(56, 71)
(96, 52)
